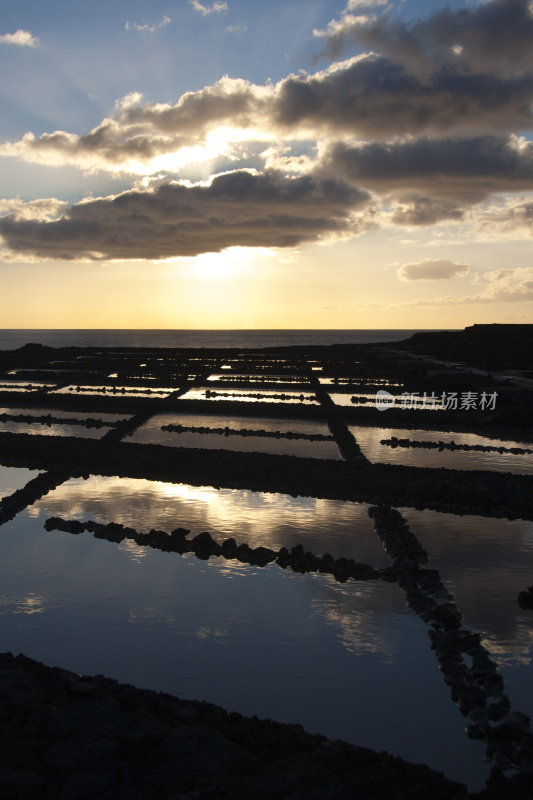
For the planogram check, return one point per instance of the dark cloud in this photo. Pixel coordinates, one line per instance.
(435, 178)
(375, 98)
(238, 208)
(414, 210)
(494, 38)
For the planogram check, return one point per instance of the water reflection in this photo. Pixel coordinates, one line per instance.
(256, 395)
(52, 430)
(66, 415)
(151, 433)
(259, 378)
(17, 604)
(485, 563)
(346, 660)
(42, 427)
(23, 386)
(13, 478)
(357, 383)
(134, 391)
(345, 399)
(369, 438)
(257, 518)
(368, 400)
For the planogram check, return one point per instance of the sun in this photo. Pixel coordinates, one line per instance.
(231, 264)
(213, 267)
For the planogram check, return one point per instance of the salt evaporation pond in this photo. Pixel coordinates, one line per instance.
(250, 395)
(151, 433)
(229, 378)
(58, 428)
(24, 386)
(369, 440)
(129, 391)
(485, 563)
(14, 478)
(347, 660)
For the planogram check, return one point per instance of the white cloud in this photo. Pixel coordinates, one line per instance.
(42, 210)
(135, 26)
(237, 29)
(432, 269)
(21, 38)
(337, 30)
(502, 286)
(129, 100)
(208, 9)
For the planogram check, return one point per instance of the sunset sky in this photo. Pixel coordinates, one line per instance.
(304, 164)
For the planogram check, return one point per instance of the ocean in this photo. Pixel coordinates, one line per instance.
(14, 338)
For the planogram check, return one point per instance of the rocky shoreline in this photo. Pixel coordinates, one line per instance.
(71, 737)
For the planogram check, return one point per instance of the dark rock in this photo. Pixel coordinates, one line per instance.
(204, 545)
(525, 599)
(498, 708)
(326, 563)
(263, 556)
(244, 553)
(476, 732)
(229, 548)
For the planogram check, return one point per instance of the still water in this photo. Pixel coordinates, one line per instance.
(64, 428)
(14, 478)
(369, 440)
(349, 660)
(151, 433)
(258, 395)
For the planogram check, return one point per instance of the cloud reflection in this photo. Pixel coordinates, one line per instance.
(257, 518)
(26, 604)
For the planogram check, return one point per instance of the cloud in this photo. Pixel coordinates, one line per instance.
(237, 208)
(509, 285)
(412, 210)
(21, 38)
(237, 29)
(432, 270)
(338, 30)
(503, 286)
(371, 97)
(367, 97)
(208, 9)
(135, 26)
(434, 179)
(509, 216)
(41, 210)
(493, 37)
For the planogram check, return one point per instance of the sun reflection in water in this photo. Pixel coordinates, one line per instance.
(257, 518)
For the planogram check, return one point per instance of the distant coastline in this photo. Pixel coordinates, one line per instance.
(11, 339)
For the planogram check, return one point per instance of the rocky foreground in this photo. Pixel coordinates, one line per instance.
(71, 737)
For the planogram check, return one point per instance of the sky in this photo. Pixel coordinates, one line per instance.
(292, 164)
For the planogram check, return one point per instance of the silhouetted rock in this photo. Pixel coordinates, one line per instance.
(525, 599)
